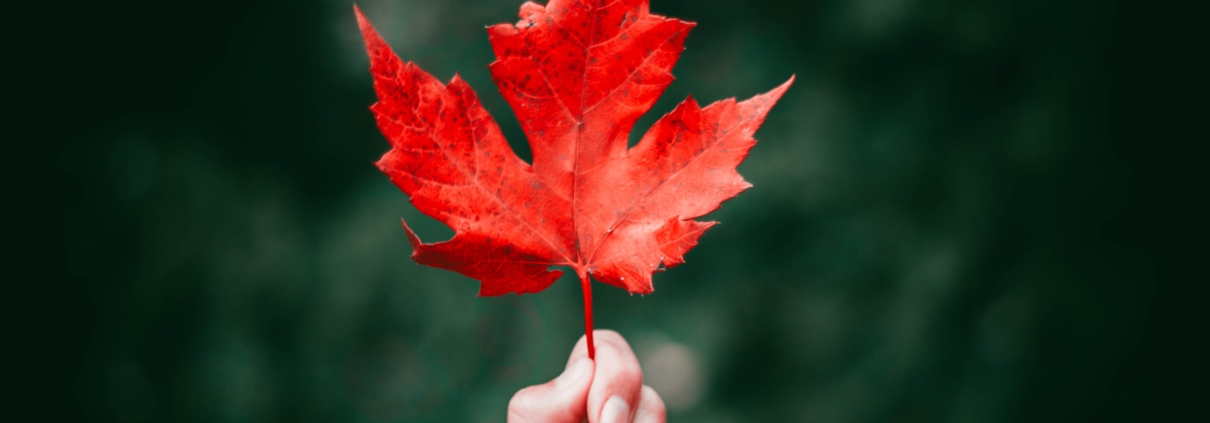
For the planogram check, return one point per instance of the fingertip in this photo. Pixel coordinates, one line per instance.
(651, 407)
(600, 336)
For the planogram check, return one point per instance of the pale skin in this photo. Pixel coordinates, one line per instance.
(607, 390)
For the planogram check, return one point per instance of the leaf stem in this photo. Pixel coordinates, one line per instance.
(586, 284)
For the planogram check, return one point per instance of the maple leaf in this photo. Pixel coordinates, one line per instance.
(578, 74)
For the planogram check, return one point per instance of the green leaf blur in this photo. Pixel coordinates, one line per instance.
(942, 225)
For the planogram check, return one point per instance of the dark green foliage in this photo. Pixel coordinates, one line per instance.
(950, 221)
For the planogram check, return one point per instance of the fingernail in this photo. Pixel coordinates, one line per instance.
(574, 373)
(615, 411)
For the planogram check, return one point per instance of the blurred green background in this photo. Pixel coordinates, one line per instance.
(952, 220)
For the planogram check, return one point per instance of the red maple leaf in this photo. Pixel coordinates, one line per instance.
(578, 74)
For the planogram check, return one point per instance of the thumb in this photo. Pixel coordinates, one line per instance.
(562, 400)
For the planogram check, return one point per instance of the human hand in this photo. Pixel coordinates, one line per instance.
(609, 390)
